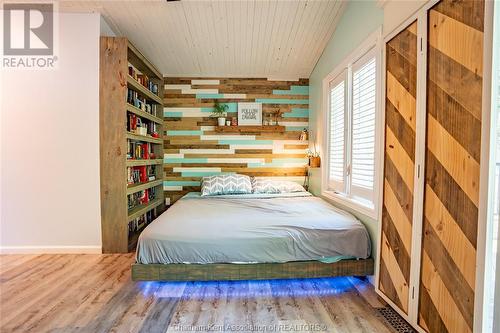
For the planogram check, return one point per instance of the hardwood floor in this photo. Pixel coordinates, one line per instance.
(94, 293)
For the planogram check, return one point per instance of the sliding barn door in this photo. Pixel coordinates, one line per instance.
(454, 93)
(399, 166)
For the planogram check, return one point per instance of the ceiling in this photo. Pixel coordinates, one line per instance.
(248, 38)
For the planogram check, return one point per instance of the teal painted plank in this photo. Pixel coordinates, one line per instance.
(169, 114)
(281, 101)
(295, 128)
(297, 113)
(209, 96)
(245, 142)
(181, 183)
(183, 132)
(184, 160)
(232, 107)
(294, 90)
(300, 90)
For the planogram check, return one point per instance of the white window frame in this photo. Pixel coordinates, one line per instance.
(371, 44)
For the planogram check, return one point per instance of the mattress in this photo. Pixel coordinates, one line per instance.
(252, 228)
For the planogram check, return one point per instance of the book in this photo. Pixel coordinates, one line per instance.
(151, 172)
(143, 176)
(143, 79)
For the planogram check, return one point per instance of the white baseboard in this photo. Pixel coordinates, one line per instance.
(50, 249)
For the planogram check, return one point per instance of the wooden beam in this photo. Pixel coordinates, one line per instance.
(264, 271)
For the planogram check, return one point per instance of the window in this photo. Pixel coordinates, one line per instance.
(337, 137)
(363, 130)
(352, 104)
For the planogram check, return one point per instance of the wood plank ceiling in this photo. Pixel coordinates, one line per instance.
(248, 38)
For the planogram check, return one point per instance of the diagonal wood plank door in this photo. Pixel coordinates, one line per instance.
(454, 94)
(399, 166)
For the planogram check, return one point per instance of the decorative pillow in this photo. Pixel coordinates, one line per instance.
(263, 185)
(226, 184)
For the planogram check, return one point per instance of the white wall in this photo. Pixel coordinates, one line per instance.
(346, 38)
(398, 11)
(106, 29)
(50, 148)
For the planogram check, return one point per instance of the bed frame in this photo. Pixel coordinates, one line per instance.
(289, 270)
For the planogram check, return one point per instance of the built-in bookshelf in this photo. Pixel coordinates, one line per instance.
(131, 143)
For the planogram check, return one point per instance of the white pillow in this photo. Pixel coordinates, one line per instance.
(263, 185)
(226, 184)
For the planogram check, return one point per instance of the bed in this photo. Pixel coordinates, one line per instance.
(252, 236)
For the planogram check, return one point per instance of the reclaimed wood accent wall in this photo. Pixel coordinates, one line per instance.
(196, 147)
(399, 165)
(454, 93)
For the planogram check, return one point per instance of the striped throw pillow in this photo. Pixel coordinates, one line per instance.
(226, 184)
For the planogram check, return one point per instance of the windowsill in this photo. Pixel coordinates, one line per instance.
(359, 206)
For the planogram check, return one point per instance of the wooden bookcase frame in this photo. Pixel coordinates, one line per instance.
(115, 55)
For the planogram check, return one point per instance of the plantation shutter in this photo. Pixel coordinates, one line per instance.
(337, 151)
(362, 168)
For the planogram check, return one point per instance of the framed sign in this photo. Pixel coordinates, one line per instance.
(250, 114)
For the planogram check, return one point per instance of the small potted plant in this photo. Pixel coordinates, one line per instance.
(220, 112)
(314, 159)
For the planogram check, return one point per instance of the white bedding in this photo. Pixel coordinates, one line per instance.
(250, 228)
